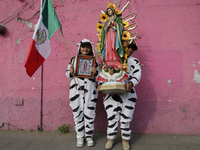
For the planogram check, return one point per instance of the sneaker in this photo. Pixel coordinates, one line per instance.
(90, 141)
(80, 142)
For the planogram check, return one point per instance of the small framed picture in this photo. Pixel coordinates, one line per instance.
(84, 65)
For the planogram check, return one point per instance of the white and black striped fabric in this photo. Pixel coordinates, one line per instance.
(121, 107)
(83, 99)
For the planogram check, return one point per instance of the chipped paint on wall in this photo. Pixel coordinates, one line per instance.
(18, 41)
(169, 82)
(193, 64)
(117, 2)
(29, 24)
(196, 76)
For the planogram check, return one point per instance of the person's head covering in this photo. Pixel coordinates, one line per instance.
(133, 45)
(85, 42)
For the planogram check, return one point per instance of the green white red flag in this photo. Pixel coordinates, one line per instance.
(39, 49)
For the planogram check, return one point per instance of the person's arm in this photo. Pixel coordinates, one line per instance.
(70, 69)
(95, 69)
(135, 72)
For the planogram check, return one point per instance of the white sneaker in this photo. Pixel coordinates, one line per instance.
(80, 142)
(90, 141)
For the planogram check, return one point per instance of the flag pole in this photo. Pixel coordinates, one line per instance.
(41, 105)
(41, 110)
(68, 53)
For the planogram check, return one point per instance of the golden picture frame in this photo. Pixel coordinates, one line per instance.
(84, 65)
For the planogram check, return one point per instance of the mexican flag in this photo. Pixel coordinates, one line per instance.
(39, 50)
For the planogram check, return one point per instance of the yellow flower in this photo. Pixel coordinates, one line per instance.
(99, 36)
(103, 17)
(124, 46)
(111, 5)
(99, 46)
(125, 24)
(126, 49)
(124, 65)
(126, 35)
(125, 56)
(99, 27)
(118, 12)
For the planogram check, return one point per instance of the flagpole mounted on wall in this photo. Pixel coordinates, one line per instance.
(41, 112)
(41, 105)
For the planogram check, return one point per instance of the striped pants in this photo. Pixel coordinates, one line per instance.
(120, 107)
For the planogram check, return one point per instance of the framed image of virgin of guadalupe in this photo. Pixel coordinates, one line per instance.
(84, 65)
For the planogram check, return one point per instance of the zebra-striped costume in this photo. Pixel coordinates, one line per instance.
(83, 101)
(121, 107)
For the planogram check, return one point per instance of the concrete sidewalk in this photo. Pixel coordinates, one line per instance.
(53, 140)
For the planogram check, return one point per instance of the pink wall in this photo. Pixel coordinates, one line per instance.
(169, 91)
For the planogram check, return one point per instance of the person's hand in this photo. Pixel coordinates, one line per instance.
(120, 67)
(99, 86)
(129, 86)
(94, 70)
(110, 23)
(71, 70)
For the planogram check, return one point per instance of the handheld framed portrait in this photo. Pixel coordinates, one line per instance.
(84, 65)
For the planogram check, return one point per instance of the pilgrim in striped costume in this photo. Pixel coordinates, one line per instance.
(83, 99)
(121, 106)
